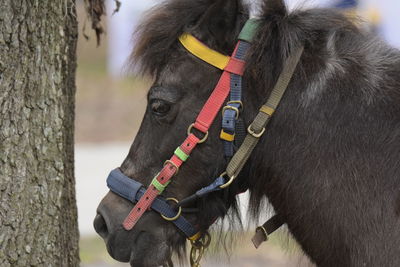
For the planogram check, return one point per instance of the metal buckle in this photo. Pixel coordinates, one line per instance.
(231, 179)
(256, 135)
(177, 215)
(173, 164)
(189, 131)
(232, 108)
(235, 102)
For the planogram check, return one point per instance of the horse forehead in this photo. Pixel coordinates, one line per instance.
(190, 72)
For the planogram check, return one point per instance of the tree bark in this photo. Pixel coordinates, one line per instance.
(38, 216)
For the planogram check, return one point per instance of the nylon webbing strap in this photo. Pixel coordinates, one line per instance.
(249, 30)
(263, 231)
(257, 128)
(203, 52)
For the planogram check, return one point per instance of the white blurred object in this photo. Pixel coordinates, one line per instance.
(121, 26)
(93, 163)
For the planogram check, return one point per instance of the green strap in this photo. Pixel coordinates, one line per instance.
(249, 30)
(160, 187)
(180, 154)
(257, 127)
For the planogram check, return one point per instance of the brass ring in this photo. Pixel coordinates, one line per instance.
(177, 215)
(235, 102)
(231, 179)
(256, 135)
(173, 164)
(189, 131)
(232, 108)
(203, 241)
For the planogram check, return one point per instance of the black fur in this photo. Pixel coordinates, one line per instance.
(329, 161)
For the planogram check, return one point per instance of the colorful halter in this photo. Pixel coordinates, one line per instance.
(229, 82)
(230, 65)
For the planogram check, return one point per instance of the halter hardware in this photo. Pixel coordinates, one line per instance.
(236, 102)
(198, 248)
(177, 214)
(232, 108)
(173, 165)
(253, 133)
(202, 140)
(230, 181)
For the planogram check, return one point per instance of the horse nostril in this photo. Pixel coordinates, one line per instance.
(100, 226)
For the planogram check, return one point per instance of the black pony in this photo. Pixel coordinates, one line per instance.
(329, 162)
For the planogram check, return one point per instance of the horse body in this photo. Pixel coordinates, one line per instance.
(329, 160)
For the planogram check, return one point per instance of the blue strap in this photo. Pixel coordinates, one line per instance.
(215, 186)
(132, 190)
(229, 116)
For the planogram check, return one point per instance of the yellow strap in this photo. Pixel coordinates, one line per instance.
(203, 52)
(226, 136)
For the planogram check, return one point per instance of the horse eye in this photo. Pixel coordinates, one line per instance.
(160, 107)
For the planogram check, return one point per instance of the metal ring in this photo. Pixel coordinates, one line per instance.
(256, 135)
(232, 108)
(203, 241)
(173, 164)
(189, 131)
(177, 215)
(227, 183)
(235, 102)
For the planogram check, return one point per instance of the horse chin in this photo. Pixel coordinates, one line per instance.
(149, 251)
(144, 250)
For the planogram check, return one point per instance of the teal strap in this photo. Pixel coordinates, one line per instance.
(180, 154)
(160, 187)
(249, 30)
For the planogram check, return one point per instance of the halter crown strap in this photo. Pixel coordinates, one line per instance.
(200, 50)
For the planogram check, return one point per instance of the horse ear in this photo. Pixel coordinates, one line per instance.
(221, 22)
(274, 8)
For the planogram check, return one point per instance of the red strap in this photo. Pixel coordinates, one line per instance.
(235, 66)
(203, 123)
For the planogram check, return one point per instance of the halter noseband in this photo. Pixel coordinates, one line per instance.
(230, 82)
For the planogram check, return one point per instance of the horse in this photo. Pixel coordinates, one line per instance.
(328, 161)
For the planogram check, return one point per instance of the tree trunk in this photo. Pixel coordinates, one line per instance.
(38, 217)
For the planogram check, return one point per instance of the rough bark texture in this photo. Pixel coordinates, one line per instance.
(38, 217)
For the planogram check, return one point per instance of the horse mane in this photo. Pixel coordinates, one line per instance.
(335, 46)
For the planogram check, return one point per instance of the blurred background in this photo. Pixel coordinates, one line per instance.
(110, 103)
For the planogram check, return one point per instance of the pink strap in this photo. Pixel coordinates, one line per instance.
(163, 177)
